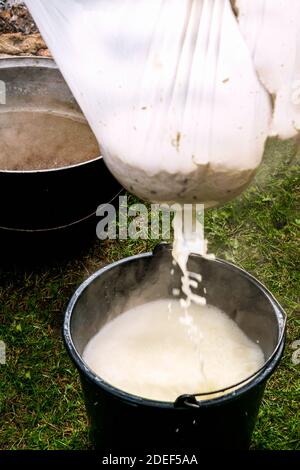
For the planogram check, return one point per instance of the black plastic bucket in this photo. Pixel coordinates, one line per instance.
(121, 420)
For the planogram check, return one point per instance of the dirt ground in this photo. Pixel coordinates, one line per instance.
(19, 34)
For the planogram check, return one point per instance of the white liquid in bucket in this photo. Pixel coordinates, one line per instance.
(160, 351)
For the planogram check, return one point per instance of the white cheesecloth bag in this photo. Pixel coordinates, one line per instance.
(170, 89)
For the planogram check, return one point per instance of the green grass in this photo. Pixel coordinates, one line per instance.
(41, 405)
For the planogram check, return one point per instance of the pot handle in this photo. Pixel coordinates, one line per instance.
(187, 401)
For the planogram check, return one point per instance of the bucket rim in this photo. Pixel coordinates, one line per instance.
(183, 401)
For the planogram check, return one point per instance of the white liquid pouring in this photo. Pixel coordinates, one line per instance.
(189, 238)
(149, 351)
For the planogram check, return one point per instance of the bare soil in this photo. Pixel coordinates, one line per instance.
(19, 34)
(16, 19)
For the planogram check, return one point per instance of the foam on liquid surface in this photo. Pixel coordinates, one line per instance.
(160, 351)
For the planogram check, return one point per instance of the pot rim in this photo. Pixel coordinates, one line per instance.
(52, 170)
(259, 377)
(47, 63)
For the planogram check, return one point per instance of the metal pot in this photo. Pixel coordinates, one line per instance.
(42, 123)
